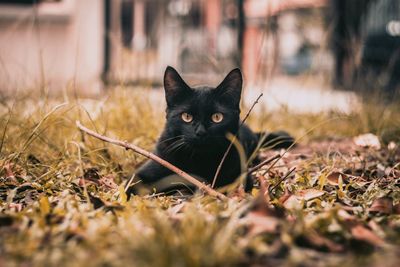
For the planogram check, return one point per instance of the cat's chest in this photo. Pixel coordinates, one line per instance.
(205, 164)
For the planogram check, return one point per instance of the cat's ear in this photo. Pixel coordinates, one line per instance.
(174, 86)
(231, 87)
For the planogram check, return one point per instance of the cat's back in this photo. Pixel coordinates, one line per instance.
(248, 139)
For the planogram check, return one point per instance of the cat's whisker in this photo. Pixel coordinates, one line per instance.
(175, 148)
(170, 139)
(176, 144)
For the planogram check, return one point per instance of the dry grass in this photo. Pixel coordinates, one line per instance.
(51, 216)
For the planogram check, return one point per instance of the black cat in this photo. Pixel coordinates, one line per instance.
(195, 134)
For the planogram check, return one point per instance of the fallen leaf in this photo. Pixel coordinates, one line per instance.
(293, 202)
(17, 207)
(8, 169)
(367, 140)
(260, 223)
(318, 240)
(344, 215)
(382, 205)
(392, 145)
(362, 233)
(284, 197)
(108, 181)
(333, 177)
(263, 217)
(10, 176)
(308, 194)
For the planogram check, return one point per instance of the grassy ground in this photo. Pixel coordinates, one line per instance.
(62, 199)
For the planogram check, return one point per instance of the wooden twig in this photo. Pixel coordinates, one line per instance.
(233, 141)
(265, 162)
(282, 179)
(152, 156)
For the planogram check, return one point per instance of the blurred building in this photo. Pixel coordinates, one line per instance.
(51, 43)
(204, 38)
(82, 43)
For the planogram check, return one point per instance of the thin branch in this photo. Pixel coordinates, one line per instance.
(128, 184)
(265, 162)
(233, 141)
(159, 160)
(283, 179)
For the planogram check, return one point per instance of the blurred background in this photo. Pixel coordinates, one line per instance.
(308, 55)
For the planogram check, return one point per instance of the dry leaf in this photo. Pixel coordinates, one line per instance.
(320, 241)
(392, 145)
(362, 233)
(108, 181)
(260, 223)
(284, 197)
(263, 217)
(344, 215)
(367, 140)
(308, 194)
(293, 202)
(333, 177)
(17, 207)
(382, 205)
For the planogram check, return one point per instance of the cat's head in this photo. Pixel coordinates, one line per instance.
(202, 115)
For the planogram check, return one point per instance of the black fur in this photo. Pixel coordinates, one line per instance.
(197, 147)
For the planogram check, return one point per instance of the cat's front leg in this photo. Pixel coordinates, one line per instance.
(150, 173)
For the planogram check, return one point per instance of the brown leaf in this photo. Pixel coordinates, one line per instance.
(17, 207)
(344, 215)
(308, 194)
(293, 202)
(333, 177)
(108, 181)
(8, 169)
(260, 223)
(261, 202)
(263, 217)
(319, 241)
(382, 205)
(362, 233)
(367, 140)
(285, 196)
(10, 176)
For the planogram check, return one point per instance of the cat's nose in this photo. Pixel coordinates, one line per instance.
(201, 131)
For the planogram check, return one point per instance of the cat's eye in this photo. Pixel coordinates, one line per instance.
(186, 117)
(217, 117)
